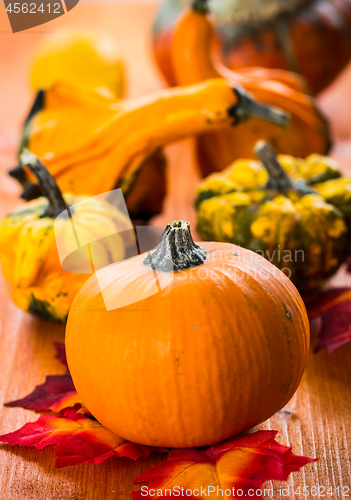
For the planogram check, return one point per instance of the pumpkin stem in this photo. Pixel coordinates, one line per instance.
(200, 6)
(247, 107)
(176, 249)
(279, 180)
(46, 182)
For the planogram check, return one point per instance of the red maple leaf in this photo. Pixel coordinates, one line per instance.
(56, 393)
(334, 310)
(78, 439)
(243, 462)
(61, 353)
(240, 464)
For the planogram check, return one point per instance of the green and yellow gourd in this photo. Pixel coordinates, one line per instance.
(28, 251)
(294, 212)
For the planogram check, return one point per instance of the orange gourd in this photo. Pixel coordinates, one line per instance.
(199, 343)
(193, 61)
(92, 144)
(48, 130)
(310, 37)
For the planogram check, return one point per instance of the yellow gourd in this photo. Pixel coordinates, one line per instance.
(85, 57)
(28, 246)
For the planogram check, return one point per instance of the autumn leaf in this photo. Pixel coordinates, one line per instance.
(95, 447)
(61, 353)
(244, 463)
(49, 429)
(56, 393)
(77, 439)
(334, 310)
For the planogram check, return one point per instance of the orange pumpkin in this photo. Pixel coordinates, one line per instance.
(193, 61)
(200, 342)
(311, 37)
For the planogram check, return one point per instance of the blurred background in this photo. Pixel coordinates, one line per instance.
(132, 24)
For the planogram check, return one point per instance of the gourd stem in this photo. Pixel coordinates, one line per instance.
(200, 6)
(18, 174)
(176, 249)
(278, 178)
(31, 192)
(247, 107)
(46, 182)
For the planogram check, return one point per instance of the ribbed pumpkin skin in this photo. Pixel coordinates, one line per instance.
(216, 352)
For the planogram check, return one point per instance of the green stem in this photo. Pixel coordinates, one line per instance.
(247, 107)
(46, 182)
(279, 180)
(200, 6)
(176, 249)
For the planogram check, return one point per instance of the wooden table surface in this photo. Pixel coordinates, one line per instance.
(318, 423)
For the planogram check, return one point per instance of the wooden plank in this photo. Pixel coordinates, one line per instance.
(318, 420)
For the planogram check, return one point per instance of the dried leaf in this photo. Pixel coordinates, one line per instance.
(334, 310)
(61, 353)
(49, 429)
(56, 393)
(78, 439)
(244, 463)
(95, 447)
